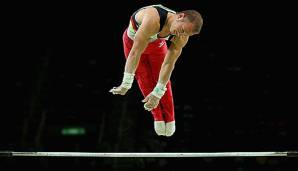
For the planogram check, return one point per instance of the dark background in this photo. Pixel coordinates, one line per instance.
(232, 87)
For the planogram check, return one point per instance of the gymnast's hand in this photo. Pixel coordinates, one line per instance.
(151, 102)
(119, 90)
(125, 85)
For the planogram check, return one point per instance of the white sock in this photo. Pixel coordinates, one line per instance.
(159, 127)
(170, 128)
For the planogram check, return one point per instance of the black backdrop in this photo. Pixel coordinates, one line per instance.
(231, 87)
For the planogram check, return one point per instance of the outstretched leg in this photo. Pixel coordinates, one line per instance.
(156, 58)
(166, 102)
(143, 75)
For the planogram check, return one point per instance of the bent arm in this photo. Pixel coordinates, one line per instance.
(169, 65)
(141, 40)
(171, 57)
(139, 45)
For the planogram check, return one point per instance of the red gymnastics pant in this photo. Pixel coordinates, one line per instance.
(147, 75)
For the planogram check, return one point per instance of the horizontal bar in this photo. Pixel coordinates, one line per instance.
(94, 154)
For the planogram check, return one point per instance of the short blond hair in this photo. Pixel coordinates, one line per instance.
(195, 18)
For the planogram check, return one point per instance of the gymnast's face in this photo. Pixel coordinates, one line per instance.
(181, 26)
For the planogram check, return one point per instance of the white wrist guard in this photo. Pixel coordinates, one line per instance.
(127, 80)
(159, 90)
